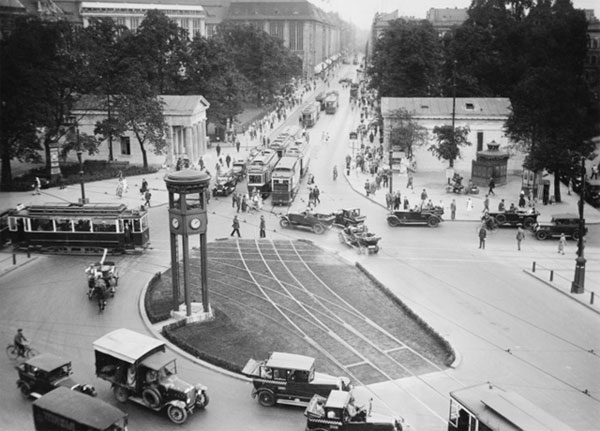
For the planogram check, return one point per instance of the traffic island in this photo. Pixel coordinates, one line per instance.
(292, 296)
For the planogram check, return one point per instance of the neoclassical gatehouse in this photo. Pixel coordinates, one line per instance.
(186, 130)
(485, 117)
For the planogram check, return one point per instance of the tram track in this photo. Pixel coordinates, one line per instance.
(339, 331)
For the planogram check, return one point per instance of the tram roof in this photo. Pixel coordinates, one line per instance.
(505, 409)
(286, 163)
(73, 209)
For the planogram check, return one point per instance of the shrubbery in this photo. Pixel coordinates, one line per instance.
(93, 170)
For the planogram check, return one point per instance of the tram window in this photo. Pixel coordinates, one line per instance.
(82, 226)
(63, 225)
(144, 223)
(41, 224)
(104, 226)
(136, 225)
(12, 223)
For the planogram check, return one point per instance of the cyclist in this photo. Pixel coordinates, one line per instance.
(19, 342)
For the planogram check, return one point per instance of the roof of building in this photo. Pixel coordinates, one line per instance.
(172, 3)
(276, 9)
(447, 15)
(441, 107)
(173, 105)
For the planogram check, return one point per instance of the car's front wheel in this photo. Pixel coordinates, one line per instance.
(177, 414)
(204, 402)
(318, 229)
(284, 223)
(528, 222)
(266, 398)
(541, 235)
(25, 389)
(500, 219)
(433, 221)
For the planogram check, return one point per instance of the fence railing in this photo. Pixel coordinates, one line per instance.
(538, 268)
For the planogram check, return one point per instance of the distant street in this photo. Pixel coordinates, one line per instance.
(508, 328)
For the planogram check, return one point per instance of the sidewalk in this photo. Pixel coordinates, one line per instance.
(435, 185)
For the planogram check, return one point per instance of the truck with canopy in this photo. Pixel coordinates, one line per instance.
(139, 369)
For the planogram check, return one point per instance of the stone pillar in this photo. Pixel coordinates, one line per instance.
(188, 142)
(170, 146)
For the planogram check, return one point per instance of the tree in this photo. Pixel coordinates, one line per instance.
(142, 114)
(211, 72)
(406, 132)
(261, 58)
(160, 47)
(449, 143)
(406, 60)
(107, 70)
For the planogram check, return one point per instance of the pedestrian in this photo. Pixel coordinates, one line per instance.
(388, 200)
(37, 185)
(486, 204)
(409, 181)
(367, 187)
(233, 200)
(236, 226)
(522, 199)
(147, 197)
(228, 160)
(520, 237)
(397, 200)
(144, 187)
(594, 175)
(201, 163)
(482, 235)
(218, 148)
(562, 241)
(423, 197)
(492, 185)
(316, 193)
(237, 145)
(570, 186)
(244, 203)
(238, 202)
(263, 232)
(501, 206)
(453, 209)
(469, 204)
(406, 204)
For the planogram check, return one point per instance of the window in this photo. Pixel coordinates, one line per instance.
(276, 29)
(469, 106)
(211, 30)
(82, 226)
(63, 225)
(479, 141)
(125, 145)
(41, 225)
(135, 23)
(197, 23)
(104, 226)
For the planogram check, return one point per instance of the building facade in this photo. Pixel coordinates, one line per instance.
(381, 21)
(186, 130)
(485, 118)
(188, 14)
(305, 29)
(592, 63)
(443, 19)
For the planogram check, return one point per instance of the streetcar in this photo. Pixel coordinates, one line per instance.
(260, 170)
(72, 228)
(285, 180)
(487, 407)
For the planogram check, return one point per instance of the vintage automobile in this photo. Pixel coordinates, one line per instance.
(560, 223)
(339, 412)
(525, 218)
(65, 410)
(139, 369)
(225, 184)
(239, 168)
(430, 217)
(348, 217)
(592, 192)
(107, 270)
(321, 99)
(360, 238)
(286, 378)
(318, 223)
(46, 372)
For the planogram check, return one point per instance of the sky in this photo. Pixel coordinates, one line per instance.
(361, 12)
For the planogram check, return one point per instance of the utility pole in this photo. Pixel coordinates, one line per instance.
(577, 286)
(453, 105)
(391, 171)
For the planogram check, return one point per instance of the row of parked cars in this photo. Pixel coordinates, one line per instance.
(140, 370)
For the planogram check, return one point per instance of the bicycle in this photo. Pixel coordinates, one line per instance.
(13, 353)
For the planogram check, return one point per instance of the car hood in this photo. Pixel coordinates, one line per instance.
(174, 383)
(326, 379)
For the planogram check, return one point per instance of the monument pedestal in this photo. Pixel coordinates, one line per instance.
(198, 314)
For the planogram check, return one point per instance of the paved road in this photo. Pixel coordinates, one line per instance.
(480, 300)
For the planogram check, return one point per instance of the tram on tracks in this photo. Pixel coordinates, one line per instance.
(486, 407)
(285, 180)
(260, 170)
(70, 228)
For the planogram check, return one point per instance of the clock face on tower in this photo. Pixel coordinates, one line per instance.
(195, 223)
(175, 222)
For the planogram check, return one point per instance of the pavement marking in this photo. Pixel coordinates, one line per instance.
(395, 349)
(356, 364)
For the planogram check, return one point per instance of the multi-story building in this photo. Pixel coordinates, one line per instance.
(188, 14)
(381, 21)
(444, 19)
(592, 63)
(305, 29)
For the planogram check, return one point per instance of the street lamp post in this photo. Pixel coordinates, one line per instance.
(391, 170)
(75, 124)
(577, 286)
